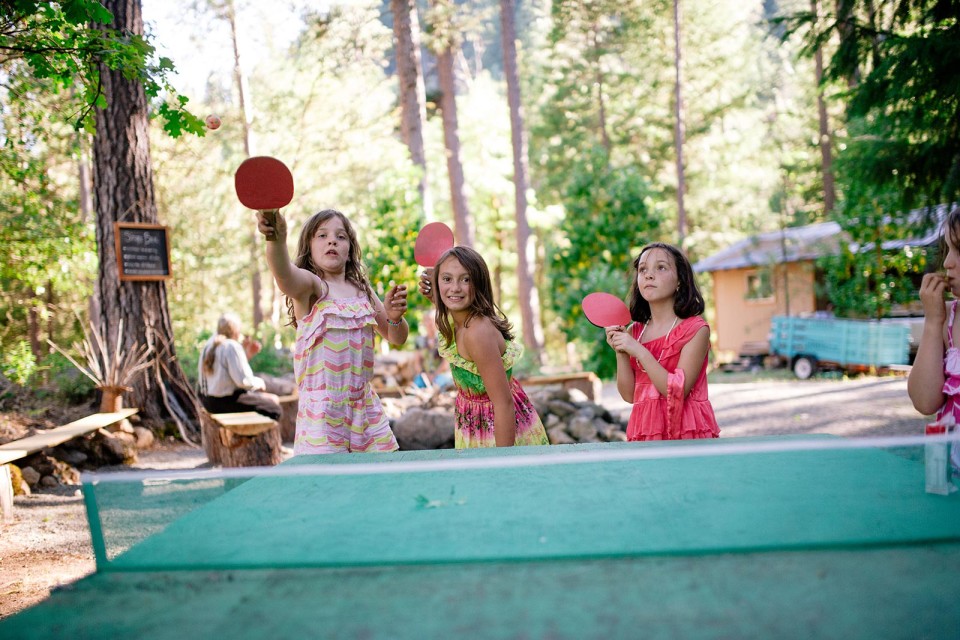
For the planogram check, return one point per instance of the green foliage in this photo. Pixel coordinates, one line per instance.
(608, 218)
(272, 360)
(65, 42)
(896, 66)
(390, 223)
(17, 363)
(70, 384)
(864, 280)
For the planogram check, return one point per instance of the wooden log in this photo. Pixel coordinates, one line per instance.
(245, 439)
(585, 381)
(288, 419)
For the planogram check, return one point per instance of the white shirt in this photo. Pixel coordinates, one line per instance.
(231, 371)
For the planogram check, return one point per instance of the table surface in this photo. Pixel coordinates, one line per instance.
(830, 543)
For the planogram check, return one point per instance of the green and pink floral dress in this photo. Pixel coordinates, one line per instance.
(474, 409)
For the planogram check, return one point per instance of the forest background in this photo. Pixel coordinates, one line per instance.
(558, 153)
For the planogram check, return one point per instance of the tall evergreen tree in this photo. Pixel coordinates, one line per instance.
(123, 191)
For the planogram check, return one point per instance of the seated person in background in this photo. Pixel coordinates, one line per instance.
(227, 384)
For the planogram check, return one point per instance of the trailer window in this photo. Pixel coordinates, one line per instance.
(759, 286)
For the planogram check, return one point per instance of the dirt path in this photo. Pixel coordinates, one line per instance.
(47, 544)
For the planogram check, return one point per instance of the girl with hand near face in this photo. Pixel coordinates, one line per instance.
(934, 381)
(662, 359)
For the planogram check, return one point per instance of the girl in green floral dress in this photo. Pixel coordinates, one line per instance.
(492, 409)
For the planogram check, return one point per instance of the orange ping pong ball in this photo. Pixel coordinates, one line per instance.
(213, 122)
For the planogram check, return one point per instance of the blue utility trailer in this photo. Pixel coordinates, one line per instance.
(811, 344)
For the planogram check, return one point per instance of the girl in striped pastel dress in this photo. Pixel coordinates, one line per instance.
(492, 409)
(336, 312)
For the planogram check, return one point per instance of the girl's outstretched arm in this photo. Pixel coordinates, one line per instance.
(390, 321)
(925, 382)
(296, 283)
(481, 342)
(626, 380)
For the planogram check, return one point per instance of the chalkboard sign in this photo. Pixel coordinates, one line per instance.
(143, 252)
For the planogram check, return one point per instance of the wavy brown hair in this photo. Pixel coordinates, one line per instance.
(483, 304)
(951, 226)
(687, 301)
(354, 271)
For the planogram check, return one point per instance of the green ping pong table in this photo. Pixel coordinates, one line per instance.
(669, 540)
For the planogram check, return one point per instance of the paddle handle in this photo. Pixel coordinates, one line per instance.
(270, 215)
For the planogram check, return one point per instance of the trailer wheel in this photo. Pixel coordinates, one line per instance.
(804, 367)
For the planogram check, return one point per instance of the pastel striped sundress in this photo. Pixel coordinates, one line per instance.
(333, 361)
(474, 410)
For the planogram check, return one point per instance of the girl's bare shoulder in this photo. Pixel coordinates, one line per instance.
(480, 335)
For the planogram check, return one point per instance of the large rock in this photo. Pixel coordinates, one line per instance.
(424, 429)
(582, 429)
(558, 436)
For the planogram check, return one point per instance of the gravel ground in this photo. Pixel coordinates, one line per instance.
(47, 544)
(865, 406)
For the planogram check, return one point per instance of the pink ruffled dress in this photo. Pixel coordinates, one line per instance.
(333, 363)
(655, 417)
(949, 413)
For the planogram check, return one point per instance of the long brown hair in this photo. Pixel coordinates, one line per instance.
(228, 327)
(687, 301)
(951, 226)
(354, 271)
(483, 304)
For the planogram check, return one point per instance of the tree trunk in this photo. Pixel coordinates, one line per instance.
(826, 146)
(256, 284)
(527, 295)
(462, 220)
(123, 191)
(678, 127)
(601, 105)
(413, 100)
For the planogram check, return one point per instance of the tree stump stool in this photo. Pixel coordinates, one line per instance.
(288, 419)
(245, 439)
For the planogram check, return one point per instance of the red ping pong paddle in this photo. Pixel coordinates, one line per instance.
(432, 241)
(606, 310)
(265, 184)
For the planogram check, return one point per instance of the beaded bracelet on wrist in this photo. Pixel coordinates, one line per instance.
(394, 324)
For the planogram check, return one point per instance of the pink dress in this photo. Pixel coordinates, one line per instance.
(333, 363)
(949, 413)
(655, 417)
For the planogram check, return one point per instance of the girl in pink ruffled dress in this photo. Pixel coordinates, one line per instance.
(934, 381)
(332, 305)
(662, 359)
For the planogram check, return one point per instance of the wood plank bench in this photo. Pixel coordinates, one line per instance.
(242, 439)
(586, 381)
(23, 447)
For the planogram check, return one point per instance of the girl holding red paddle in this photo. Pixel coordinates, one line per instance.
(492, 409)
(662, 359)
(336, 312)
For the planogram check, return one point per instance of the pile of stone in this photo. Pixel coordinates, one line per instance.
(61, 465)
(570, 417)
(423, 419)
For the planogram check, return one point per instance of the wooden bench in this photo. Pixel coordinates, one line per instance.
(243, 439)
(50, 438)
(585, 381)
